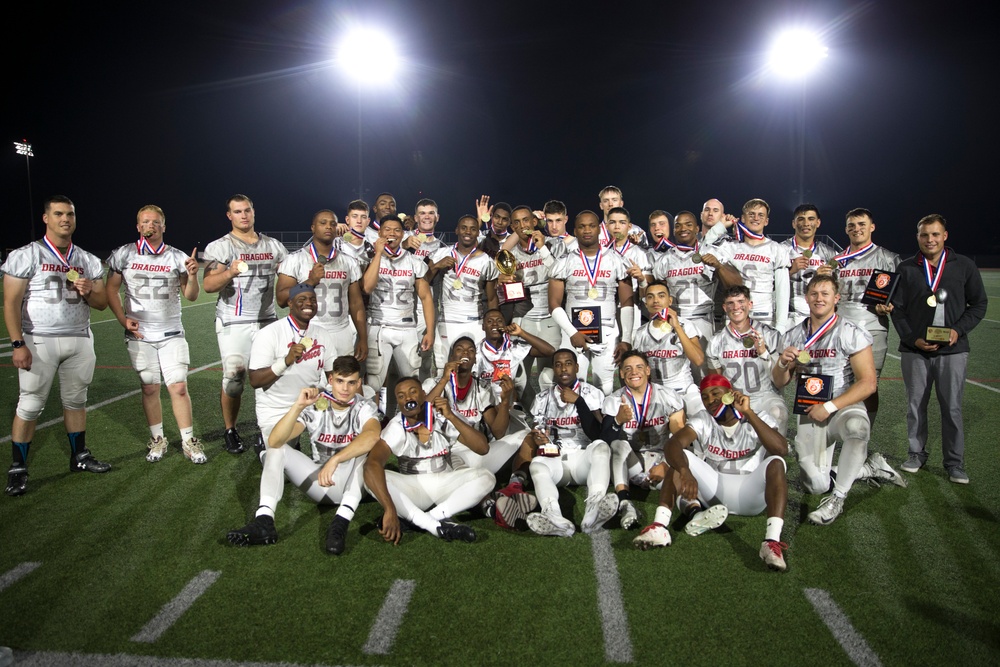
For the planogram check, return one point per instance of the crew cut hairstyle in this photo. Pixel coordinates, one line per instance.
(238, 197)
(554, 206)
(754, 203)
(57, 199)
(931, 219)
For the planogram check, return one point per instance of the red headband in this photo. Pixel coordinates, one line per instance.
(715, 380)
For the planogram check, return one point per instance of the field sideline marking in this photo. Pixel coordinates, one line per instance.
(13, 576)
(978, 384)
(614, 619)
(854, 645)
(383, 633)
(95, 406)
(174, 609)
(56, 659)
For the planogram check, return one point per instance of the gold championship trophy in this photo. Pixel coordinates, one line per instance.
(507, 265)
(938, 332)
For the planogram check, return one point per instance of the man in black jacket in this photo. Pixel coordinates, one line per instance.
(939, 300)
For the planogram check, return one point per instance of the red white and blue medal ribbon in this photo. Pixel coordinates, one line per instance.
(504, 346)
(742, 230)
(639, 410)
(295, 327)
(427, 421)
(662, 315)
(687, 248)
(143, 248)
(625, 247)
(63, 259)
(721, 410)
(460, 265)
(558, 393)
(664, 244)
(330, 397)
(815, 336)
(606, 238)
(316, 256)
(934, 275)
(737, 335)
(392, 254)
(845, 257)
(801, 250)
(531, 246)
(358, 234)
(592, 274)
(374, 224)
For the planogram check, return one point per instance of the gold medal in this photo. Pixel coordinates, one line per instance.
(931, 300)
(807, 253)
(728, 398)
(242, 266)
(457, 283)
(322, 403)
(592, 293)
(307, 342)
(422, 238)
(832, 263)
(748, 342)
(73, 275)
(803, 357)
(485, 217)
(696, 258)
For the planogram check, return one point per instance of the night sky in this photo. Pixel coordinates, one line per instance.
(183, 104)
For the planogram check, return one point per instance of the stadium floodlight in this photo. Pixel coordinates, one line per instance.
(24, 148)
(796, 53)
(368, 56)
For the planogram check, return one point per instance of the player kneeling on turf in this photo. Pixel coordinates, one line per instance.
(343, 428)
(568, 448)
(432, 485)
(729, 459)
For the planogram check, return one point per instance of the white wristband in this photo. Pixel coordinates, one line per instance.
(830, 407)
(279, 366)
(642, 284)
(560, 317)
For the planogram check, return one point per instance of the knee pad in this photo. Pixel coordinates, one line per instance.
(546, 378)
(779, 412)
(30, 406)
(149, 377)
(73, 398)
(857, 427)
(814, 481)
(234, 370)
(599, 450)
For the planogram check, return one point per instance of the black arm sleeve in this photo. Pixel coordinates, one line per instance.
(591, 427)
(610, 430)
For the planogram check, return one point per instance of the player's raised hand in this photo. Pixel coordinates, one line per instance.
(710, 260)
(798, 264)
(634, 271)
(316, 273)
(506, 383)
(741, 402)
(514, 329)
(567, 394)
(295, 353)
(191, 263)
(483, 208)
(443, 405)
(341, 229)
(83, 286)
(444, 263)
(307, 397)
(625, 413)
(580, 341)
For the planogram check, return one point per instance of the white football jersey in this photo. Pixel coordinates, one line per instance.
(361, 253)
(572, 271)
(428, 247)
(414, 456)
(249, 297)
(331, 292)
(333, 429)
(739, 454)
(270, 344)
(757, 264)
(821, 253)
(748, 373)
(667, 363)
(465, 304)
(692, 285)
(831, 353)
(478, 399)
(152, 289)
(632, 252)
(654, 430)
(51, 307)
(853, 280)
(533, 271)
(492, 362)
(392, 301)
(561, 246)
(550, 411)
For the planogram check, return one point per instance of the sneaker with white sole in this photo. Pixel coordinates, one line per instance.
(652, 536)
(157, 448)
(772, 553)
(599, 511)
(912, 464)
(194, 450)
(550, 522)
(707, 520)
(877, 469)
(630, 517)
(957, 475)
(830, 507)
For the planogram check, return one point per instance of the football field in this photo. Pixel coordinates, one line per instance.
(132, 567)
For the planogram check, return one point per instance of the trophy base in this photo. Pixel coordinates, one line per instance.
(513, 291)
(938, 335)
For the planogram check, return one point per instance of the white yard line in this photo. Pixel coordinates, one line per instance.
(390, 617)
(614, 619)
(978, 384)
(95, 406)
(12, 576)
(174, 609)
(54, 659)
(854, 645)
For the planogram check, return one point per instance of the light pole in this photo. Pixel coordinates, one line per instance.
(369, 57)
(24, 148)
(794, 55)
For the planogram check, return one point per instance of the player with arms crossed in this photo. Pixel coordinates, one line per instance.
(49, 287)
(593, 276)
(241, 268)
(807, 256)
(429, 488)
(343, 427)
(729, 457)
(669, 342)
(155, 275)
(395, 280)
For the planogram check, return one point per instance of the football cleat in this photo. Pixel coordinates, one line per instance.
(512, 511)
(599, 512)
(653, 535)
(17, 480)
(450, 531)
(157, 448)
(630, 516)
(707, 520)
(878, 470)
(550, 522)
(85, 462)
(829, 509)
(771, 552)
(912, 463)
(259, 531)
(234, 444)
(259, 447)
(194, 450)
(336, 536)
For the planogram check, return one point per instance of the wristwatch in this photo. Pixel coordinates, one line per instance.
(17, 344)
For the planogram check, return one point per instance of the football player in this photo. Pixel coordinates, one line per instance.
(807, 255)
(496, 225)
(504, 349)
(669, 342)
(353, 243)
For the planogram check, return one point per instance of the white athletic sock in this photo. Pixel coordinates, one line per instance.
(662, 515)
(600, 470)
(156, 430)
(545, 487)
(272, 480)
(774, 526)
(853, 453)
(186, 433)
